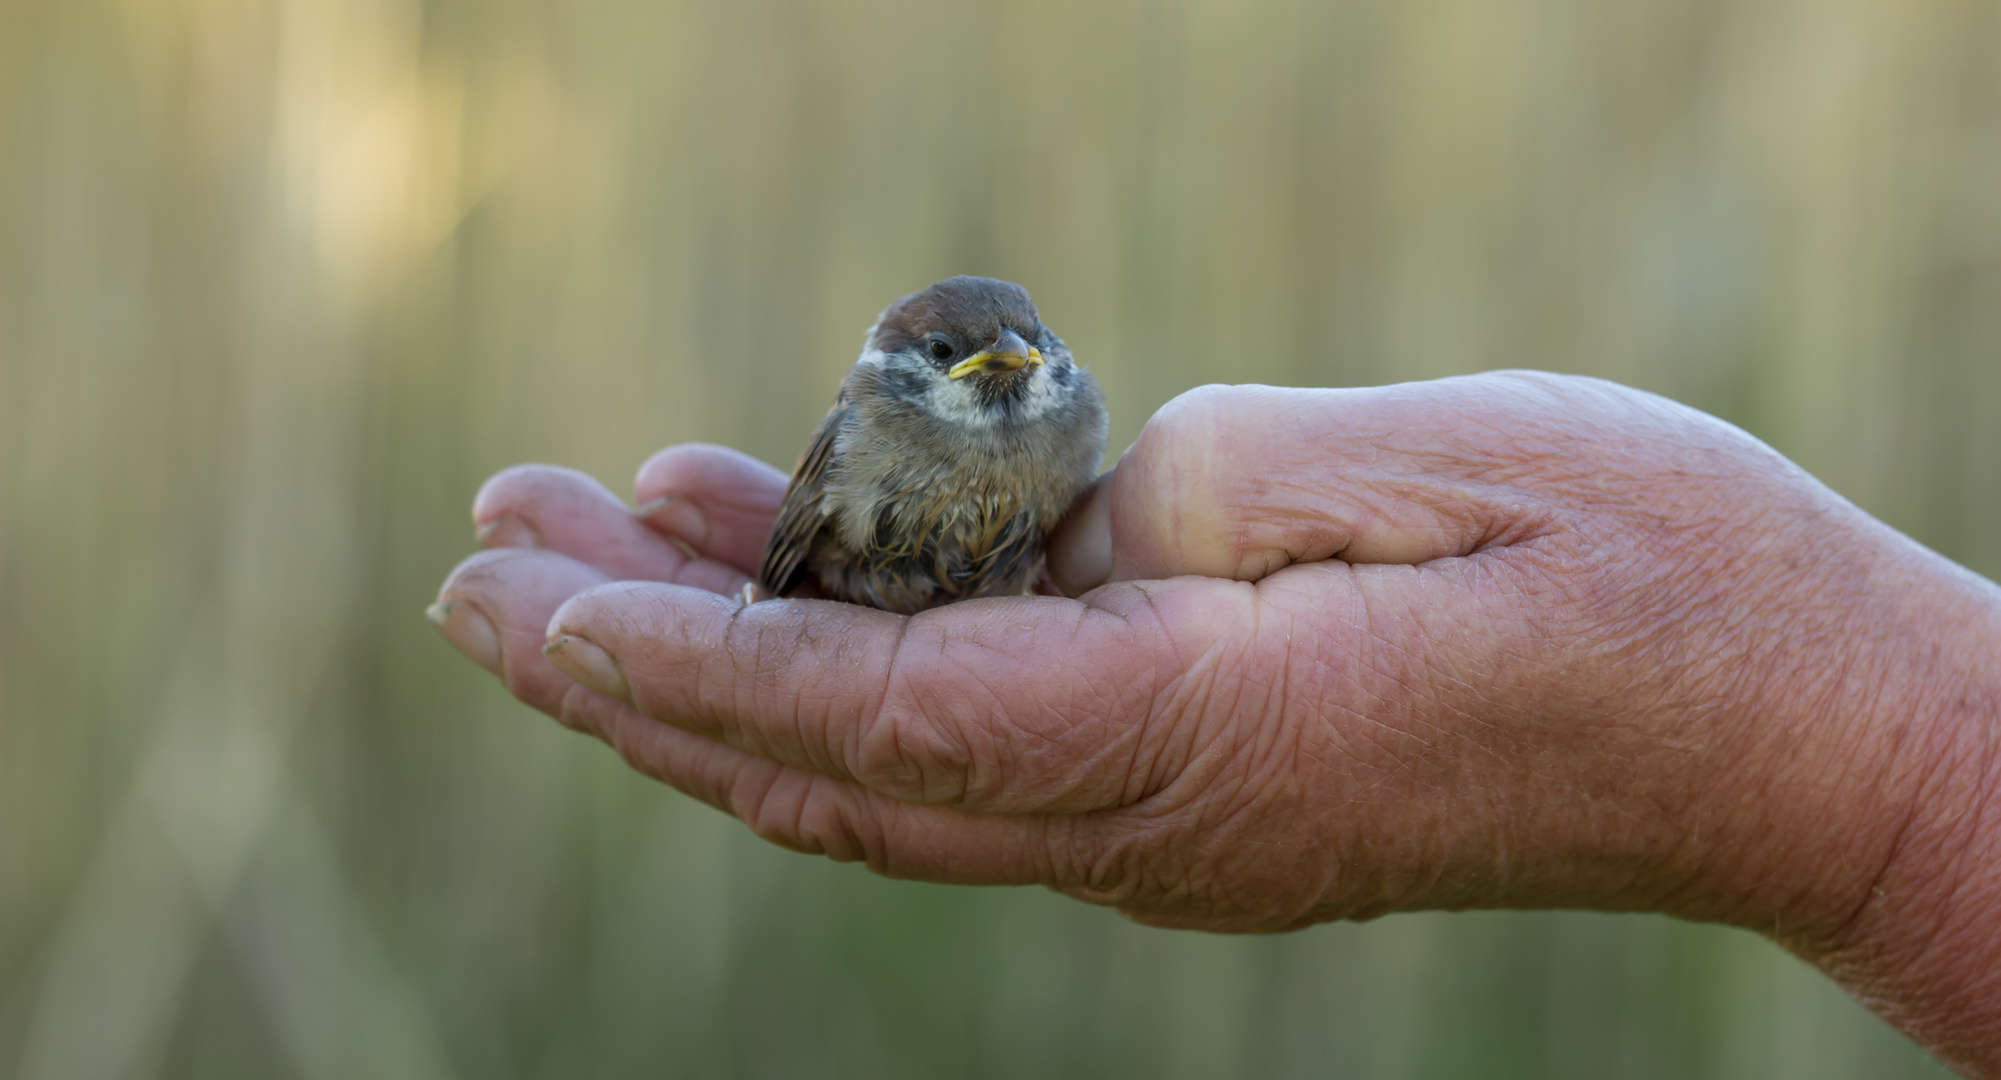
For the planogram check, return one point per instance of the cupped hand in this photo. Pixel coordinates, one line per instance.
(1507, 640)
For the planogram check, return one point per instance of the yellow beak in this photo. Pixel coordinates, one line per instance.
(1007, 353)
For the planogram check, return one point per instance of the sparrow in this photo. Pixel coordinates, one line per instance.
(957, 442)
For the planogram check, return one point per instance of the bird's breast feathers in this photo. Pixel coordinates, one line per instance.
(958, 496)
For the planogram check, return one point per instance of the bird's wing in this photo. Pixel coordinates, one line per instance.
(799, 517)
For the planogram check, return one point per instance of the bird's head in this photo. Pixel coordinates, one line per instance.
(971, 349)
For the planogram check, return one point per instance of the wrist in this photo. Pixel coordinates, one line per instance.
(1879, 765)
(1922, 944)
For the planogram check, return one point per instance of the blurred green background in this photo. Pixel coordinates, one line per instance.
(282, 280)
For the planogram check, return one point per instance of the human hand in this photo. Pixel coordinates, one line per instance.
(1509, 640)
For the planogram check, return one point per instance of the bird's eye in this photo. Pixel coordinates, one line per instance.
(940, 349)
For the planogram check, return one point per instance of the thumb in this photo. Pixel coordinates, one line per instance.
(1241, 481)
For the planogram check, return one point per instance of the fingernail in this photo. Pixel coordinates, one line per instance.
(468, 631)
(587, 664)
(507, 531)
(677, 515)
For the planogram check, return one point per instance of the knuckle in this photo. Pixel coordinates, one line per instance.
(511, 485)
(1183, 426)
(809, 815)
(479, 575)
(1172, 469)
(914, 748)
(1146, 873)
(1104, 865)
(509, 480)
(841, 828)
(518, 487)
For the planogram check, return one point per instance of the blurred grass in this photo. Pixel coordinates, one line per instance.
(282, 280)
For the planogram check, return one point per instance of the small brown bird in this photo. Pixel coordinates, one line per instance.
(958, 441)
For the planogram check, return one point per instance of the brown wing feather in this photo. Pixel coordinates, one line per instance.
(799, 517)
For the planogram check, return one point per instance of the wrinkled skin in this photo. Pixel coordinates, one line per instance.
(1513, 640)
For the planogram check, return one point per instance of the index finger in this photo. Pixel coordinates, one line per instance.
(718, 501)
(1006, 705)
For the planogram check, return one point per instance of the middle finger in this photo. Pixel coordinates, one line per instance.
(567, 511)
